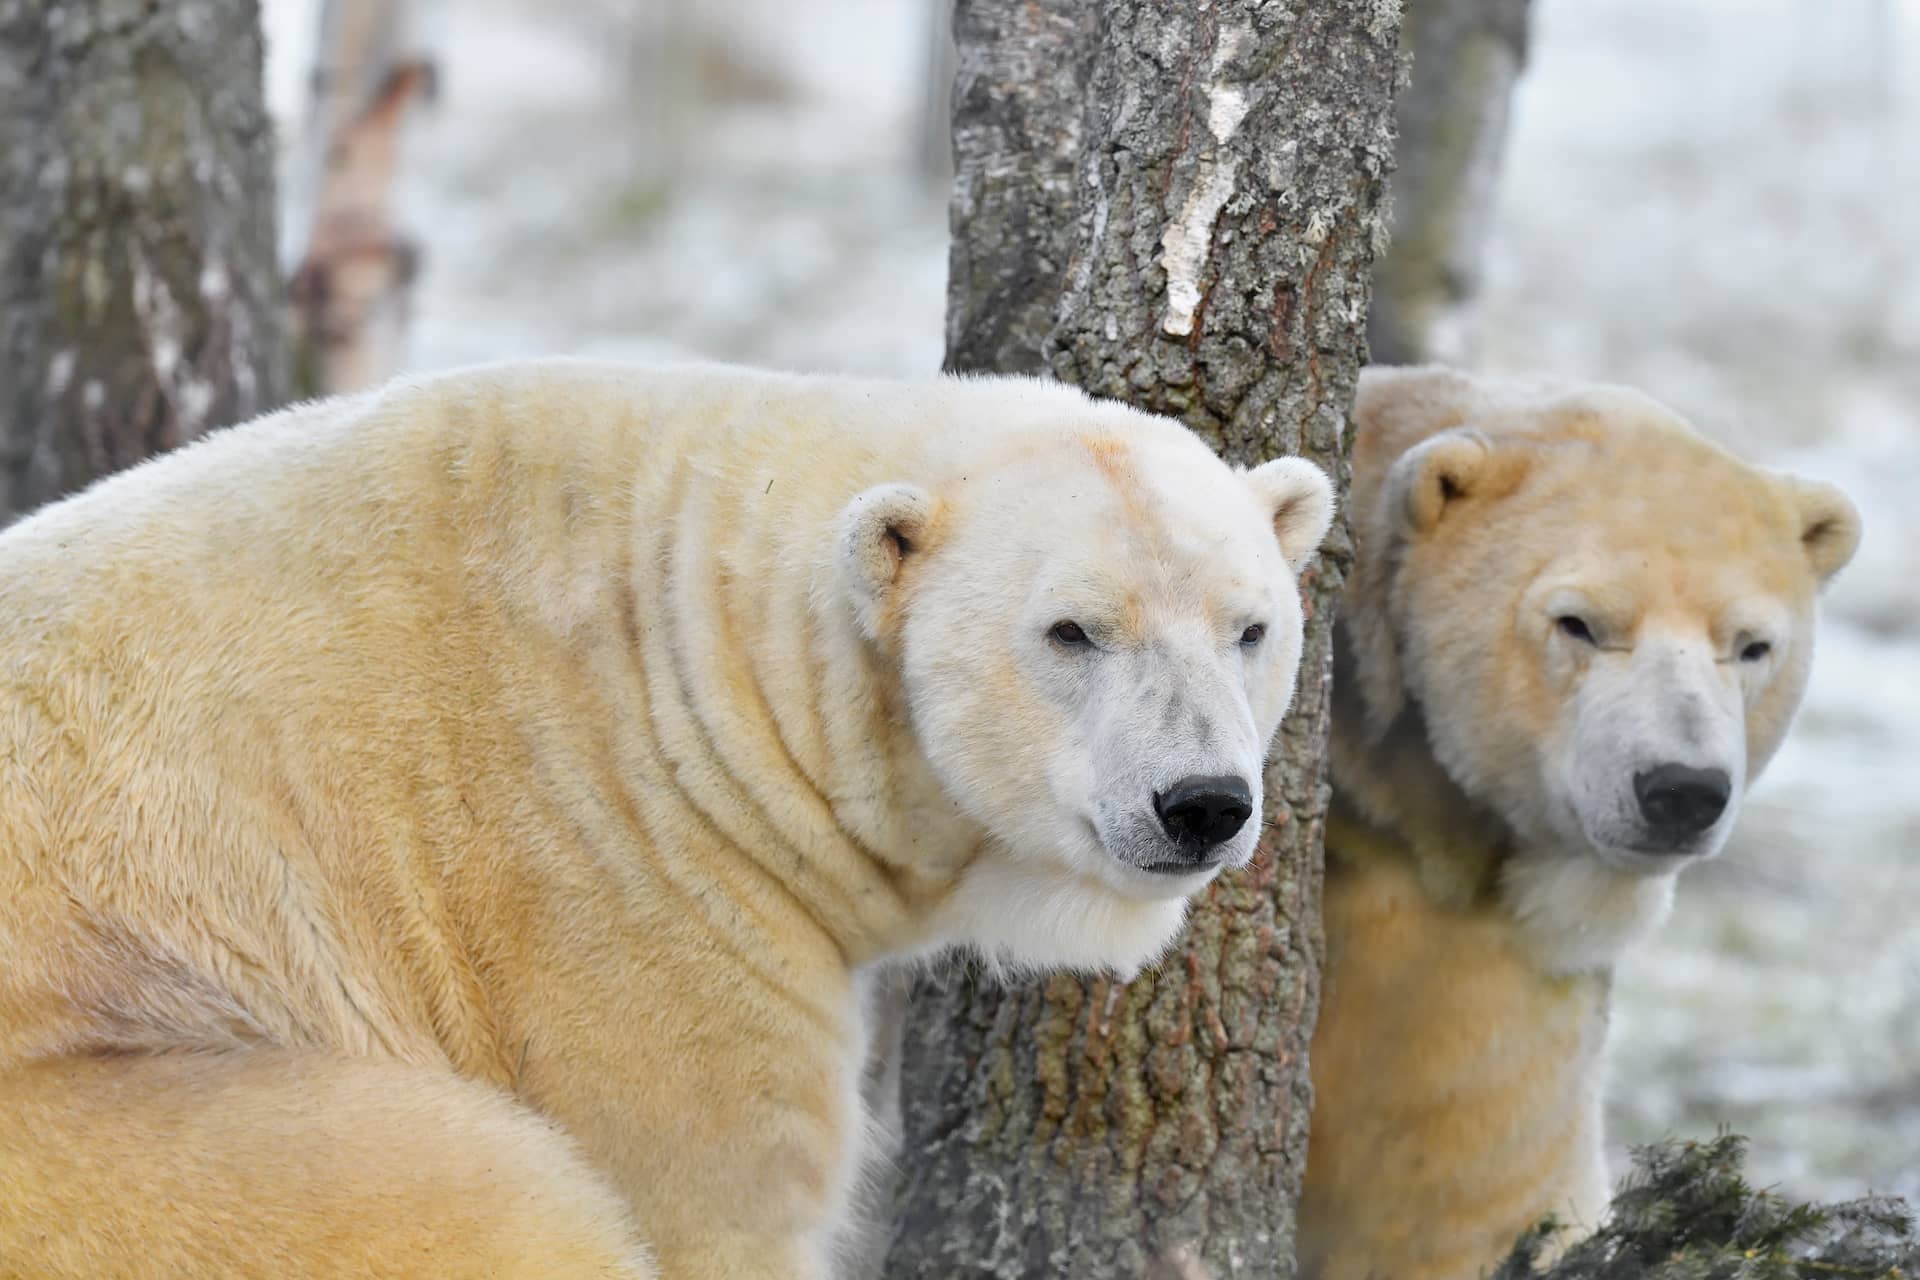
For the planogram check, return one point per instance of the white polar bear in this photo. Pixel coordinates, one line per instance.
(448, 830)
(1575, 632)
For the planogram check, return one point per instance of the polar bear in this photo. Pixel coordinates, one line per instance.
(449, 830)
(1575, 633)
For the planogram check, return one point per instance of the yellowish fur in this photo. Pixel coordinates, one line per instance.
(1456, 1087)
(293, 1164)
(1471, 919)
(448, 830)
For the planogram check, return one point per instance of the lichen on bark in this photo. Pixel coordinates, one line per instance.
(139, 297)
(1209, 258)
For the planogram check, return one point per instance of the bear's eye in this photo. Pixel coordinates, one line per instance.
(1253, 635)
(1069, 634)
(1755, 650)
(1575, 627)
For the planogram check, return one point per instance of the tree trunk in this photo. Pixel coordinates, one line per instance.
(1019, 116)
(664, 78)
(1467, 56)
(1176, 206)
(139, 299)
(350, 291)
(936, 105)
(357, 43)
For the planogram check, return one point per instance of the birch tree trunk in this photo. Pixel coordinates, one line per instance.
(351, 288)
(1176, 206)
(1467, 57)
(139, 297)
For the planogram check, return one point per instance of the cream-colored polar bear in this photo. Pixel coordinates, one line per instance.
(1575, 633)
(446, 831)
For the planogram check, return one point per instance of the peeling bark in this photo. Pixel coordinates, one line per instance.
(139, 299)
(1177, 206)
(1467, 55)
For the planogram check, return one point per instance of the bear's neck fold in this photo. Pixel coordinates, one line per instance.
(784, 729)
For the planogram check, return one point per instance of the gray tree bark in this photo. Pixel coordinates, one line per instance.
(1467, 56)
(139, 296)
(1019, 118)
(1177, 206)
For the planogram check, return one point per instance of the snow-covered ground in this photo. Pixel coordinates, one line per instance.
(1717, 200)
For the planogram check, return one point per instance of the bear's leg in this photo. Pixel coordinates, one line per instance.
(265, 1163)
(741, 1257)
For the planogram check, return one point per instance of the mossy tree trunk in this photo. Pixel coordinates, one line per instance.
(1177, 206)
(139, 296)
(1467, 57)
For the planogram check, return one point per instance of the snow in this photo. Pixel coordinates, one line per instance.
(1712, 199)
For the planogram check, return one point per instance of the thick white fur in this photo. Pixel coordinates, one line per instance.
(568, 742)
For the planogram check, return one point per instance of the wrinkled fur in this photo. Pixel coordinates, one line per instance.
(450, 830)
(1483, 869)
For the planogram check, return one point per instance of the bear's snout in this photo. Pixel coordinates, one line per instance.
(1679, 802)
(1199, 814)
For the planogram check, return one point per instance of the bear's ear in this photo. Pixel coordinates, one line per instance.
(1301, 499)
(1413, 497)
(1829, 524)
(876, 534)
(1433, 475)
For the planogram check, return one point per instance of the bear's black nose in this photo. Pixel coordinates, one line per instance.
(1200, 813)
(1679, 801)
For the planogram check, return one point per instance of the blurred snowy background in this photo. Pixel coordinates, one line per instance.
(1716, 200)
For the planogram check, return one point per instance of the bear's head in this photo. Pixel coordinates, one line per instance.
(1599, 622)
(1097, 629)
